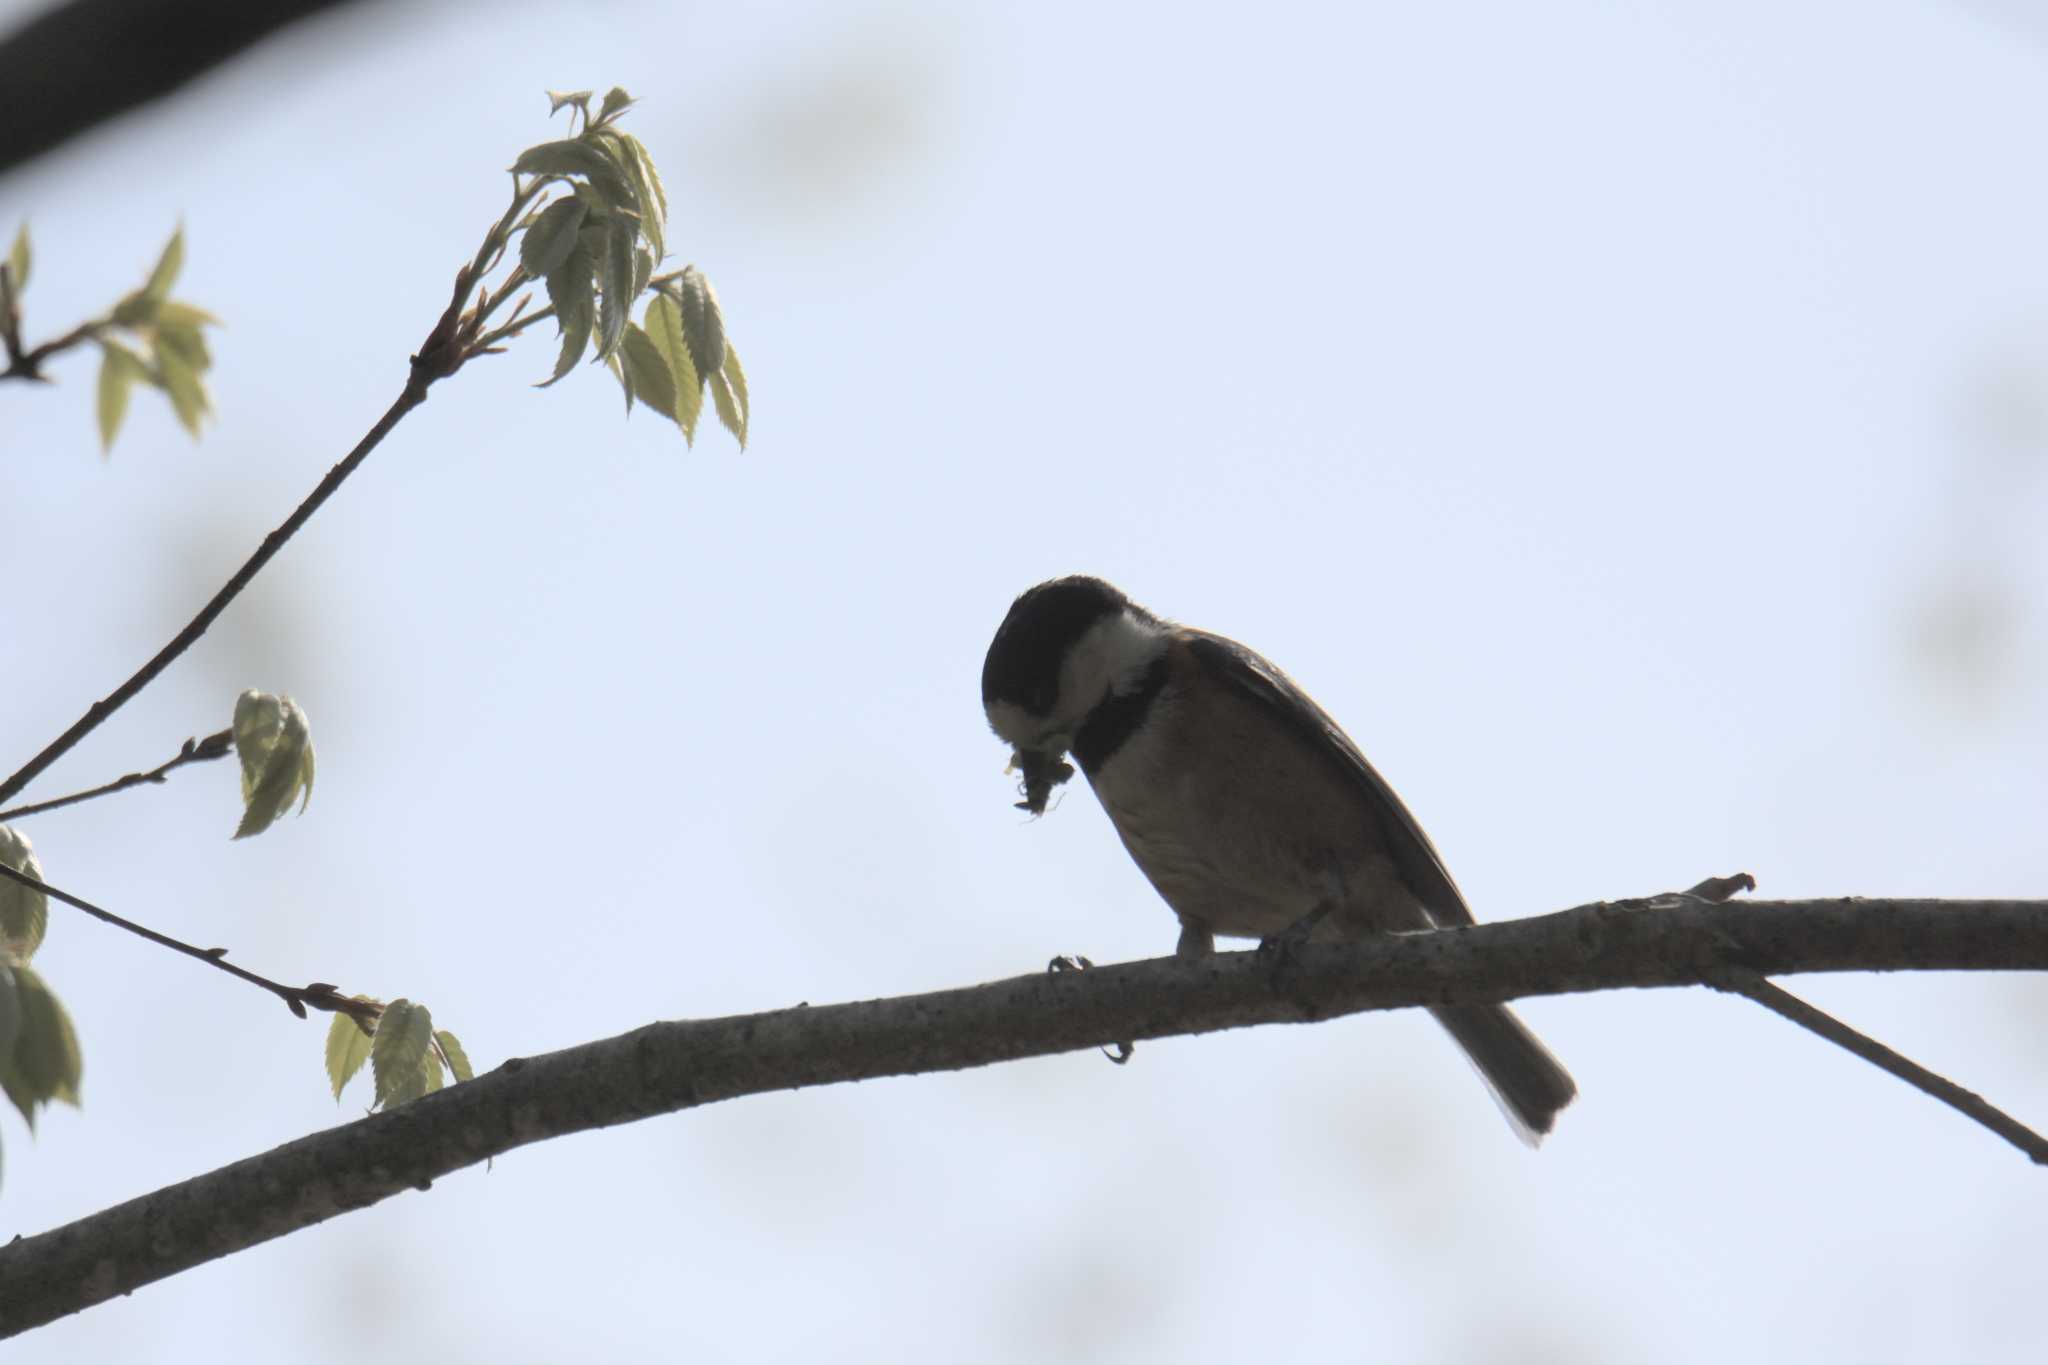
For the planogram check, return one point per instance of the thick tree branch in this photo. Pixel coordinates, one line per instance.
(665, 1067)
(78, 64)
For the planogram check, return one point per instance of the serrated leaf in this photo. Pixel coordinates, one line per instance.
(552, 236)
(729, 393)
(703, 320)
(616, 101)
(573, 156)
(274, 740)
(571, 291)
(648, 195)
(653, 383)
(625, 381)
(167, 267)
(558, 98)
(458, 1060)
(665, 330)
(118, 372)
(615, 285)
(20, 258)
(430, 1073)
(174, 373)
(348, 1047)
(24, 911)
(404, 1033)
(643, 269)
(44, 1064)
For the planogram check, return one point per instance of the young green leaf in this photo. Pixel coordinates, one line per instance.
(178, 379)
(10, 1010)
(19, 258)
(184, 338)
(729, 392)
(616, 101)
(573, 156)
(615, 285)
(348, 1047)
(24, 911)
(558, 98)
(552, 237)
(430, 1073)
(171, 313)
(458, 1060)
(703, 321)
(167, 267)
(572, 292)
(404, 1033)
(632, 161)
(44, 1063)
(643, 269)
(119, 369)
(653, 383)
(625, 380)
(665, 330)
(275, 743)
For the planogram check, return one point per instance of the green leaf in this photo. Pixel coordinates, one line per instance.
(275, 743)
(10, 1011)
(615, 285)
(171, 313)
(404, 1033)
(729, 392)
(571, 291)
(625, 380)
(653, 383)
(167, 267)
(188, 341)
(643, 269)
(430, 1073)
(552, 237)
(119, 369)
(665, 330)
(178, 379)
(703, 321)
(632, 161)
(458, 1060)
(24, 911)
(348, 1047)
(558, 98)
(616, 101)
(20, 258)
(44, 1063)
(137, 309)
(573, 156)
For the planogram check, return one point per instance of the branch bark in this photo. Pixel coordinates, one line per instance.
(665, 1067)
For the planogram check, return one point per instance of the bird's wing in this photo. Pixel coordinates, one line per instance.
(1415, 857)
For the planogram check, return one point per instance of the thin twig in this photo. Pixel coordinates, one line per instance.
(415, 393)
(29, 364)
(319, 995)
(218, 745)
(1778, 1000)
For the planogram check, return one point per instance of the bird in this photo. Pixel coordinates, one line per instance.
(1248, 808)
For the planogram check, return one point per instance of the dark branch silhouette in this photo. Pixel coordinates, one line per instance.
(79, 64)
(217, 745)
(664, 1067)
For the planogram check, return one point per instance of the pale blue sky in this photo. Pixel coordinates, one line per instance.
(1631, 422)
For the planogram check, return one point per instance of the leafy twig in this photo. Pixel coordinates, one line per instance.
(318, 995)
(214, 746)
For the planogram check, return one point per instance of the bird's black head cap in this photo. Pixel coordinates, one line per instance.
(1023, 664)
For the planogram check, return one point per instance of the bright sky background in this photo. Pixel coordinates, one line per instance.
(1630, 421)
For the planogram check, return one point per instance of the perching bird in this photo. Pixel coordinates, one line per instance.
(1246, 806)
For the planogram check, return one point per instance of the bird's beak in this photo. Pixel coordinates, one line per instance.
(1043, 770)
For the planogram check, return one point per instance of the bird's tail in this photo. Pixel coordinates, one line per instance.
(1526, 1080)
